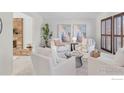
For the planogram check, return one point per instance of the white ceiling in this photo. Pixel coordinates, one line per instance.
(69, 15)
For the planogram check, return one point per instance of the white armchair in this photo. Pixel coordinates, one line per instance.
(48, 65)
(41, 64)
(64, 66)
(89, 44)
(86, 47)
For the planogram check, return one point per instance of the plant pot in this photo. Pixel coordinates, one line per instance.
(46, 44)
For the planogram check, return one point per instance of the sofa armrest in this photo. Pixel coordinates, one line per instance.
(41, 64)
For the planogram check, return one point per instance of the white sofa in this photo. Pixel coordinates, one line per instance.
(44, 62)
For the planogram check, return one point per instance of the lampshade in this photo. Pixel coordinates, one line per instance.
(74, 39)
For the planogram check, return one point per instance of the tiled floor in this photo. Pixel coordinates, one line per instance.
(23, 66)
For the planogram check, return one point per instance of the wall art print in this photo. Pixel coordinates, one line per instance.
(79, 31)
(64, 32)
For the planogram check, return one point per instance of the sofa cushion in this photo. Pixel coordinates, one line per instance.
(58, 43)
(65, 37)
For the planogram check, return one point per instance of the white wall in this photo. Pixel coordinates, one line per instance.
(6, 48)
(90, 25)
(98, 26)
(37, 22)
(27, 28)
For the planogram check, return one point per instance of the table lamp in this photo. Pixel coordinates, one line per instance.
(74, 39)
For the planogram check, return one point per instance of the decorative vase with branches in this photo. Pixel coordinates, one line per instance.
(45, 34)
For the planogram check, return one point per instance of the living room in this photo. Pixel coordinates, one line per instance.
(66, 46)
(63, 28)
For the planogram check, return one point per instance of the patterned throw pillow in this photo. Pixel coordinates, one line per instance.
(79, 37)
(65, 37)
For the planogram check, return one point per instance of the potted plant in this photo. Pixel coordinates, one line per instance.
(46, 34)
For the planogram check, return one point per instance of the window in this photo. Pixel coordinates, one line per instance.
(118, 35)
(106, 34)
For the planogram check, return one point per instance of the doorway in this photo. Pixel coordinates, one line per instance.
(18, 38)
(22, 44)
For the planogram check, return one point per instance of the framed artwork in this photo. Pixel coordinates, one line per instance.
(64, 32)
(79, 31)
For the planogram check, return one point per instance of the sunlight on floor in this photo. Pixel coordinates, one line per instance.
(22, 65)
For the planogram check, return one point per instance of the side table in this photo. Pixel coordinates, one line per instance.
(73, 45)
